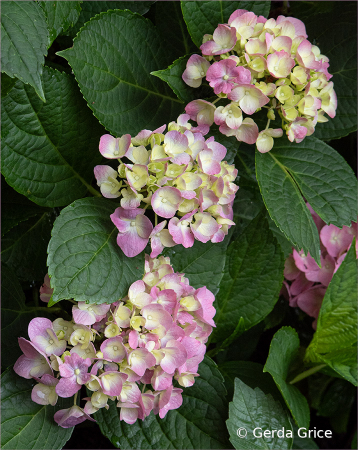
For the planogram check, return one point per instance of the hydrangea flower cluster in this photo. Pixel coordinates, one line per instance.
(305, 282)
(262, 63)
(180, 174)
(129, 351)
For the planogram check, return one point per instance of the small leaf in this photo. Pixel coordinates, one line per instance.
(7, 84)
(105, 73)
(15, 316)
(60, 16)
(173, 76)
(202, 17)
(313, 170)
(24, 38)
(197, 263)
(198, 423)
(84, 260)
(335, 33)
(25, 424)
(49, 149)
(252, 412)
(252, 279)
(335, 341)
(92, 8)
(283, 350)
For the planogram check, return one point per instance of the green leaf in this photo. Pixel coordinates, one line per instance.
(60, 16)
(283, 350)
(251, 409)
(335, 340)
(251, 373)
(7, 84)
(169, 21)
(23, 247)
(202, 17)
(197, 263)
(15, 316)
(173, 76)
(25, 424)
(252, 279)
(24, 38)
(105, 72)
(335, 33)
(311, 169)
(49, 149)
(91, 8)
(84, 260)
(337, 399)
(199, 423)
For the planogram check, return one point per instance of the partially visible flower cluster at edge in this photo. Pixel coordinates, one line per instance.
(129, 351)
(305, 282)
(182, 177)
(257, 63)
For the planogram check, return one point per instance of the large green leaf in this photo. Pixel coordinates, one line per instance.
(197, 263)
(252, 279)
(60, 16)
(170, 23)
(335, 341)
(283, 350)
(112, 57)
(335, 33)
(49, 149)
(202, 17)
(84, 260)
(199, 423)
(7, 84)
(24, 38)
(25, 424)
(23, 247)
(90, 8)
(314, 170)
(15, 316)
(251, 413)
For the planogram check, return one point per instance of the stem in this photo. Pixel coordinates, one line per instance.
(268, 123)
(307, 373)
(75, 399)
(93, 191)
(144, 385)
(42, 308)
(215, 101)
(156, 220)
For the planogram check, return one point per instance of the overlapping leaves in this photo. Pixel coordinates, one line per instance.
(49, 149)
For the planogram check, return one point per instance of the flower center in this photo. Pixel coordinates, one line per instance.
(276, 68)
(65, 328)
(247, 93)
(226, 77)
(136, 177)
(164, 200)
(327, 266)
(50, 341)
(150, 317)
(132, 223)
(115, 348)
(282, 94)
(77, 371)
(202, 73)
(230, 111)
(116, 152)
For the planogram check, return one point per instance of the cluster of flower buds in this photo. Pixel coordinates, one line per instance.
(305, 282)
(255, 62)
(181, 174)
(129, 351)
